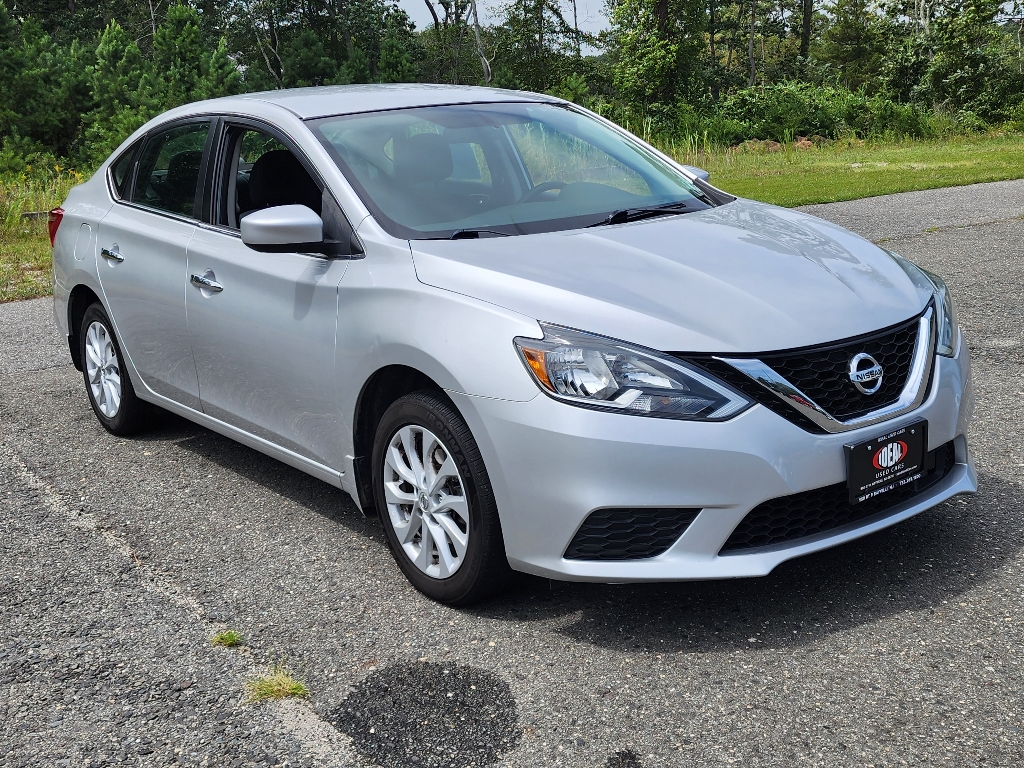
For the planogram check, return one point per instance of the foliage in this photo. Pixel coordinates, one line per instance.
(77, 78)
(227, 639)
(277, 683)
(658, 46)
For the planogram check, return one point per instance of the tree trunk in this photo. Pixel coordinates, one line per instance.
(479, 45)
(732, 37)
(433, 13)
(714, 52)
(805, 29)
(750, 45)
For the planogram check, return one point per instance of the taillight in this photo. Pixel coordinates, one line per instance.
(56, 215)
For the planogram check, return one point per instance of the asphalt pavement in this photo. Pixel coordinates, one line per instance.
(121, 558)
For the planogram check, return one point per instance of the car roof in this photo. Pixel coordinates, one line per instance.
(323, 101)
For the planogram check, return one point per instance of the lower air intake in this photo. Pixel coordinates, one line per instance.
(790, 518)
(629, 534)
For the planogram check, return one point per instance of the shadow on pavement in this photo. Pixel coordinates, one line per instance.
(271, 474)
(924, 563)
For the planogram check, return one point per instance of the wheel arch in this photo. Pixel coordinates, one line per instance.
(80, 299)
(379, 391)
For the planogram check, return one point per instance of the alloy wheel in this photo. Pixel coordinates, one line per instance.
(426, 501)
(102, 369)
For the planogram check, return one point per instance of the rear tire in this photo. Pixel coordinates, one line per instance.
(107, 383)
(435, 502)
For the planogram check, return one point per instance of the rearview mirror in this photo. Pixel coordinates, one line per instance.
(700, 173)
(286, 229)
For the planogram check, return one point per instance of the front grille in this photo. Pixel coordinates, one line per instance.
(628, 534)
(822, 374)
(795, 517)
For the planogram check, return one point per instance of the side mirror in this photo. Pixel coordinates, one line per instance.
(287, 229)
(700, 173)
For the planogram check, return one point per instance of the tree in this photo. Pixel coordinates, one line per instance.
(397, 46)
(304, 61)
(122, 91)
(658, 45)
(966, 66)
(854, 42)
(220, 74)
(178, 54)
(11, 67)
(533, 45)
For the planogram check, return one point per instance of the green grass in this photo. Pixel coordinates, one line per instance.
(24, 245)
(227, 639)
(24, 265)
(278, 683)
(847, 170)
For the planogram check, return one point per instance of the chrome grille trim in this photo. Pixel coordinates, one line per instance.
(913, 394)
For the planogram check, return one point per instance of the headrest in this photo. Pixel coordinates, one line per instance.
(423, 157)
(183, 171)
(278, 178)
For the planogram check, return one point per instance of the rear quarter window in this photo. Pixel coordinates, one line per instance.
(121, 169)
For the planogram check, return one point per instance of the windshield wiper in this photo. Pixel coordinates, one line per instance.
(623, 215)
(472, 234)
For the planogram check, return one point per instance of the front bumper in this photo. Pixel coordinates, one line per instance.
(552, 464)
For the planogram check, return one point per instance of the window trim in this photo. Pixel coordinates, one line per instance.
(201, 191)
(216, 181)
(134, 150)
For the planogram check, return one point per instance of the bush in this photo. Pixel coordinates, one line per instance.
(784, 111)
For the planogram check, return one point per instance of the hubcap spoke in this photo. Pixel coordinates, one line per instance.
(453, 533)
(425, 501)
(447, 470)
(402, 469)
(393, 494)
(446, 563)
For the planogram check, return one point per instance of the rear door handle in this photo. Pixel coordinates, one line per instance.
(111, 253)
(206, 283)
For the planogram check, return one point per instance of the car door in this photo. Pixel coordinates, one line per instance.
(263, 336)
(142, 263)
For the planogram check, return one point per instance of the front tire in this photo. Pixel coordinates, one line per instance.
(107, 382)
(435, 502)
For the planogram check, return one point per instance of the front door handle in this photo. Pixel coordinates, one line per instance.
(206, 283)
(111, 253)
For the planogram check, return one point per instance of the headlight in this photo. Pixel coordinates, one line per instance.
(946, 320)
(594, 371)
(949, 328)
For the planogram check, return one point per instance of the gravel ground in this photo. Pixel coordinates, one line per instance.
(123, 557)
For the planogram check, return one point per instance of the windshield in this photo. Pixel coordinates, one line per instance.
(497, 169)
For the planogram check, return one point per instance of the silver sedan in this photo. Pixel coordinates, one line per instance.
(522, 337)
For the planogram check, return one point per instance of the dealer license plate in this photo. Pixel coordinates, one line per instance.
(888, 462)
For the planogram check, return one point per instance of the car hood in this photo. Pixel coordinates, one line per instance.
(742, 277)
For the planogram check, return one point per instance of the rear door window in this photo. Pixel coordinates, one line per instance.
(168, 176)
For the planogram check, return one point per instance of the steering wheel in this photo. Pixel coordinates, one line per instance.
(540, 189)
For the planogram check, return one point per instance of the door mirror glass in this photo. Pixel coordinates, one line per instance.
(283, 229)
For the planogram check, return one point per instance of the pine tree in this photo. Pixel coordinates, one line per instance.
(122, 92)
(854, 42)
(396, 59)
(305, 61)
(11, 65)
(220, 74)
(356, 69)
(178, 56)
